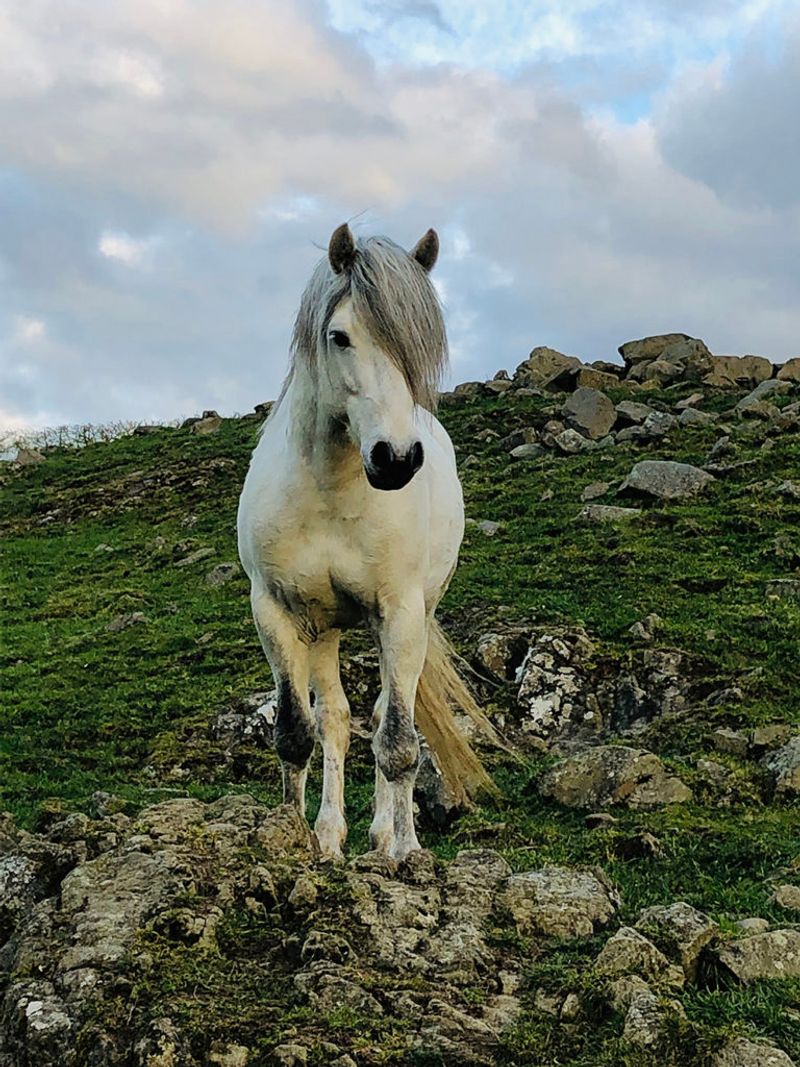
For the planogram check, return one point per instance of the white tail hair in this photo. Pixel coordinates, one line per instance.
(441, 692)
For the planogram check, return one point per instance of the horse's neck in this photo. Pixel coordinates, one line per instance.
(315, 431)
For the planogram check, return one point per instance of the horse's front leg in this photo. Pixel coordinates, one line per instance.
(333, 726)
(294, 724)
(403, 639)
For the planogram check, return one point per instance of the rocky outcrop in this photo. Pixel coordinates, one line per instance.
(613, 774)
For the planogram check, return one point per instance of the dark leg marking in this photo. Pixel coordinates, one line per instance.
(294, 731)
(396, 746)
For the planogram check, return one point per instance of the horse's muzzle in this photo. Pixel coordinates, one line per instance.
(386, 470)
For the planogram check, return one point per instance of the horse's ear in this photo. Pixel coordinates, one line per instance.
(341, 249)
(426, 250)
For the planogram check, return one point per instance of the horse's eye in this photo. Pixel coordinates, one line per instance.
(340, 339)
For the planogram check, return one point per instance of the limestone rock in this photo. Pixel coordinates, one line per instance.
(590, 412)
(221, 574)
(592, 378)
(650, 347)
(767, 389)
(665, 480)
(738, 371)
(207, 425)
(571, 442)
(560, 902)
(787, 896)
(596, 514)
(680, 931)
(629, 413)
(649, 1020)
(775, 954)
(630, 952)
(790, 370)
(741, 1052)
(542, 364)
(784, 768)
(612, 774)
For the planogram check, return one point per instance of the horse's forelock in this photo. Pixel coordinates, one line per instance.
(393, 296)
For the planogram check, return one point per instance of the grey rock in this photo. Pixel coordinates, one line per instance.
(775, 954)
(197, 556)
(125, 621)
(289, 1055)
(784, 768)
(571, 442)
(529, 450)
(560, 901)
(767, 389)
(630, 413)
(611, 774)
(555, 695)
(733, 741)
(680, 931)
(649, 1021)
(753, 925)
(650, 347)
(207, 425)
(693, 417)
(630, 952)
(28, 457)
(741, 1052)
(690, 401)
(221, 574)
(596, 514)
(665, 480)
(501, 654)
(787, 896)
(590, 412)
(594, 490)
(541, 366)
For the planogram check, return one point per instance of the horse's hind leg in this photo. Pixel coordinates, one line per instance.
(403, 641)
(333, 725)
(294, 723)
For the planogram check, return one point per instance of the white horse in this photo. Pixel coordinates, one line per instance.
(352, 512)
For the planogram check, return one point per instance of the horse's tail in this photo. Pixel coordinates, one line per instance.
(440, 692)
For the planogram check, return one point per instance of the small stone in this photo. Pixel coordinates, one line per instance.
(754, 925)
(304, 893)
(787, 896)
(221, 574)
(571, 1008)
(689, 401)
(741, 1052)
(648, 1021)
(228, 1056)
(594, 490)
(693, 417)
(629, 413)
(595, 514)
(599, 820)
(571, 442)
(489, 528)
(289, 1056)
(207, 425)
(28, 457)
(195, 557)
(771, 736)
(784, 768)
(124, 621)
(630, 952)
(527, 451)
(732, 741)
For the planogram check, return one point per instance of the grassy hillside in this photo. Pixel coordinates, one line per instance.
(94, 534)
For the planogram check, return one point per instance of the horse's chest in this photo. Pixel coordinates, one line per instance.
(322, 564)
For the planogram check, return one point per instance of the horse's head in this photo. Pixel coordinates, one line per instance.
(381, 349)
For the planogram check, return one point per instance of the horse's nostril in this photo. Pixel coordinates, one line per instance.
(382, 455)
(416, 456)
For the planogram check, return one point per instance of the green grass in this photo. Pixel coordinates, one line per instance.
(84, 709)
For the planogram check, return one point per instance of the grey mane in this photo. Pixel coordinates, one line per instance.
(393, 296)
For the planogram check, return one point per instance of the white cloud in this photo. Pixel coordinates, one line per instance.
(123, 248)
(28, 330)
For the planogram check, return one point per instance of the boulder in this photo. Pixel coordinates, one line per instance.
(774, 954)
(613, 774)
(738, 371)
(649, 1023)
(766, 390)
(570, 442)
(787, 896)
(542, 364)
(590, 412)
(790, 370)
(591, 378)
(629, 413)
(665, 480)
(694, 417)
(649, 348)
(560, 901)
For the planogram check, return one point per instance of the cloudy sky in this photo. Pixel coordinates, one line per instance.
(597, 170)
